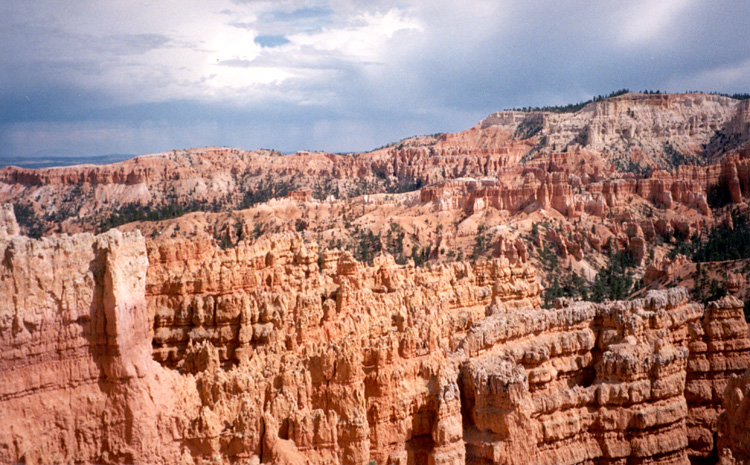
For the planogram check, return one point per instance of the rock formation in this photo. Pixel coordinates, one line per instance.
(533, 156)
(8, 224)
(115, 352)
(734, 426)
(77, 381)
(317, 308)
(718, 349)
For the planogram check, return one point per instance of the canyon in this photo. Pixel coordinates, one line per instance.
(114, 352)
(390, 307)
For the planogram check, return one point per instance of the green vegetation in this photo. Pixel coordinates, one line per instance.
(718, 196)
(322, 191)
(570, 285)
(382, 183)
(674, 156)
(394, 243)
(481, 242)
(231, 233)
(720, 142)
(268, 188)
(706, 290)
(420, 255)
(406, 185)
(366, 245)
(737, 96)
(548, 258)
(135, 212)
(630, 166)
(723, 243)
(30, 224)
(574, 107)
(614, 281)
(719, 244)
(528, 128)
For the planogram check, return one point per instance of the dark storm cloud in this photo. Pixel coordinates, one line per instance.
(544, 53)
(335, 75)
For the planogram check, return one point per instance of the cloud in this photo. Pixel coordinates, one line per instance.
(645, 21)
(335, 74)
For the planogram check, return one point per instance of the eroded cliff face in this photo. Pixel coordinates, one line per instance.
(610, 140)
(77, 381)
(115, 351)
(342, 364)
(734, 427)
(718, 350)
(649, 130)
(605, 383)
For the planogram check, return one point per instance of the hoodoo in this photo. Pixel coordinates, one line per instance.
(543, 288)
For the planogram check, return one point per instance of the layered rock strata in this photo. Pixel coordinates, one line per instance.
(275, 352)
(77, 381)
(734, 425)
(718, 349)
(534, 156)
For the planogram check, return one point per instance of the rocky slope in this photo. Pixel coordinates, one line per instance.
(604, 140)
(584, 185)
(178, 351)
(397, 306)
(635, 129)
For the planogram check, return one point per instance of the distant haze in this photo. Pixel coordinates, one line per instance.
(90, 78)
(46, 161)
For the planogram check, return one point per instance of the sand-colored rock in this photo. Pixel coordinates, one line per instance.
(258, 356)
(77, 382)
(251, 337)
(572, 162)
(718, 349)
(734, 424)
(8, 224)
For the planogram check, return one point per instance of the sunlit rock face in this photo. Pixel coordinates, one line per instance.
(244, 335)
(115, 352)
(77, 380)
(533, 156)
(8, 224)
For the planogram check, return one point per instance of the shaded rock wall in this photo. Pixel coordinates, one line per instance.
(718, 349)
(77, 382)
(734, 426)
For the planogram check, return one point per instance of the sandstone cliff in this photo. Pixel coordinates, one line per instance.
(605, 141)
(118, 351)
(733, 444)
(335, 319)
(77, 382)
(647, 130)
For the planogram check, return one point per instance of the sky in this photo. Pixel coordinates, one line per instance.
(80, 78)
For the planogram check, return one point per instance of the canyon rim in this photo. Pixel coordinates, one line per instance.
(555, 286)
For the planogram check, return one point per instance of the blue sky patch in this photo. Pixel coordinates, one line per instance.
(316, 12)
(271, 40)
